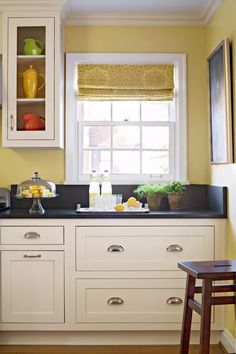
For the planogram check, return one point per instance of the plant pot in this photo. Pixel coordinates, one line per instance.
(175, 200)
(154, 201)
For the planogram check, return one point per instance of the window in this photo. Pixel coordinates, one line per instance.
(137, 141)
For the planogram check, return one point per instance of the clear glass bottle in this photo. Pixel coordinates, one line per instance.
(94, 190)
(106, 184)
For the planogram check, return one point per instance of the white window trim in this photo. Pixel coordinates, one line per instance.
(72, 62)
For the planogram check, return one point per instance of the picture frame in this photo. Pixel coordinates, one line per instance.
(220, 105)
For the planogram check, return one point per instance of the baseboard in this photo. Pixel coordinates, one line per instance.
(228, 341)
(98, 338)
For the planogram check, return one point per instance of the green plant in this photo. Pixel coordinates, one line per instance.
(175, 187)
(148, 190)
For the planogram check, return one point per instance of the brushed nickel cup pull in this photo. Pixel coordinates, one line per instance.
(115, 301)
(174, 248)
(31, 234)
(32, 256)
(175, 300)
(115, 248)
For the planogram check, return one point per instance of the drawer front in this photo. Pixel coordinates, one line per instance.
(32, 235)
(141, 248)
(129, 300)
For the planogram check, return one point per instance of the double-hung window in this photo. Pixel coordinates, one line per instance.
(136, 139)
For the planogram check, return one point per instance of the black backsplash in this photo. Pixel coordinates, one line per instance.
(196, 197)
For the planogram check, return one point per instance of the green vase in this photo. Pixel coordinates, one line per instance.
(33, 47)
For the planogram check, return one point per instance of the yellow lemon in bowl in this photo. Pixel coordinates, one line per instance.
(132, 202)
(119, 207)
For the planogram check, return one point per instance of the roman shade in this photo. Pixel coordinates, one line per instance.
(125, 82)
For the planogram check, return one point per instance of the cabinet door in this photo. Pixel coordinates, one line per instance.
(32, 286)
(19, 105)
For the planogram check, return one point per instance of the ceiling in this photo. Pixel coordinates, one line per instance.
(123, 12)
(164, 12)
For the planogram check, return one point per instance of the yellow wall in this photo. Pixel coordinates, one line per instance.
(223, 26)
(188, 40)
(19, 164)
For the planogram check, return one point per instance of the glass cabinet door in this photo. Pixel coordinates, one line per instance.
(31, 78)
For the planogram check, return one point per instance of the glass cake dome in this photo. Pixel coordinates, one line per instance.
(36, 188)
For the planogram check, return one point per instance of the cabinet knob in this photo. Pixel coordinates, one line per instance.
(174, 248)
(32, 255)
(115, 248)
(31, 234)
(175, 300)
(115, 301)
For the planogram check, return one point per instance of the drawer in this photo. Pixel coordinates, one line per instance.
(141, 248)
(130, 300)
(32, 235)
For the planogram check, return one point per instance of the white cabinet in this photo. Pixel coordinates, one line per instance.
(32, 121)
(81, 275)
(130, 300)
(32, 286)
(132, 273)
(141, 248)
(34, 235)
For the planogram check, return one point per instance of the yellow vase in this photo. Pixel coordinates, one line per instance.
(30, 82)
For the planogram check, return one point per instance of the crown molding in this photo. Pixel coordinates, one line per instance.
(147, 19)
(29, 5)
(129, 19)
(209, 9)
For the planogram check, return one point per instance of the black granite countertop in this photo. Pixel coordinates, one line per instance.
(199, 201)
(72, 214)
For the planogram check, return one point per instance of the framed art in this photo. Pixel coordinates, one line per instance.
(220, 106)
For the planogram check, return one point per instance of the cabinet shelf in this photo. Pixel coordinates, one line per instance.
(30, 101)
(23, 58)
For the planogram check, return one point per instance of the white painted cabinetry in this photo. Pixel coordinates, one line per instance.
(32, 286)
(47, 103)
(120, 274)
(32, 274)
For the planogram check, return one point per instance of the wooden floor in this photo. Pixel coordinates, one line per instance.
(162, 349)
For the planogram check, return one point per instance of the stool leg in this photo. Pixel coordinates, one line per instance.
(187, 316)
(205, 317)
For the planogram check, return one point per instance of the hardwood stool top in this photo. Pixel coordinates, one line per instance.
(216, 270)
(208, 272)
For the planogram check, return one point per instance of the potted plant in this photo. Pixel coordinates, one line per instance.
(175, 192)
(153, 193)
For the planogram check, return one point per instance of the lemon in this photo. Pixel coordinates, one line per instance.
(119, 207)
(132, 202)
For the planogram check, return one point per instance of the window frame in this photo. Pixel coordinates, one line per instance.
(72, 153)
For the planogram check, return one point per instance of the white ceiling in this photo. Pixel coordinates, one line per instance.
(195, 12)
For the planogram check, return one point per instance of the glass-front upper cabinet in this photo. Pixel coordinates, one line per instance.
(32, 98)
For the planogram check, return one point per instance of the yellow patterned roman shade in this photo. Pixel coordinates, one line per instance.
(125, 82)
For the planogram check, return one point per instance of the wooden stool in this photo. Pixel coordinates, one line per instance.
(208, 272)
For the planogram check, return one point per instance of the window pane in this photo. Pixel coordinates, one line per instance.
(125, 111)
(126, 137)
(155, 162)
(97, 136)
(96, 111)
(155, 111)
(126, 162)
(96, 160)
(155, 137)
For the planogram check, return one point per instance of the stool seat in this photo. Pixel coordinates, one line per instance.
(207, 271)
(210, 269)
